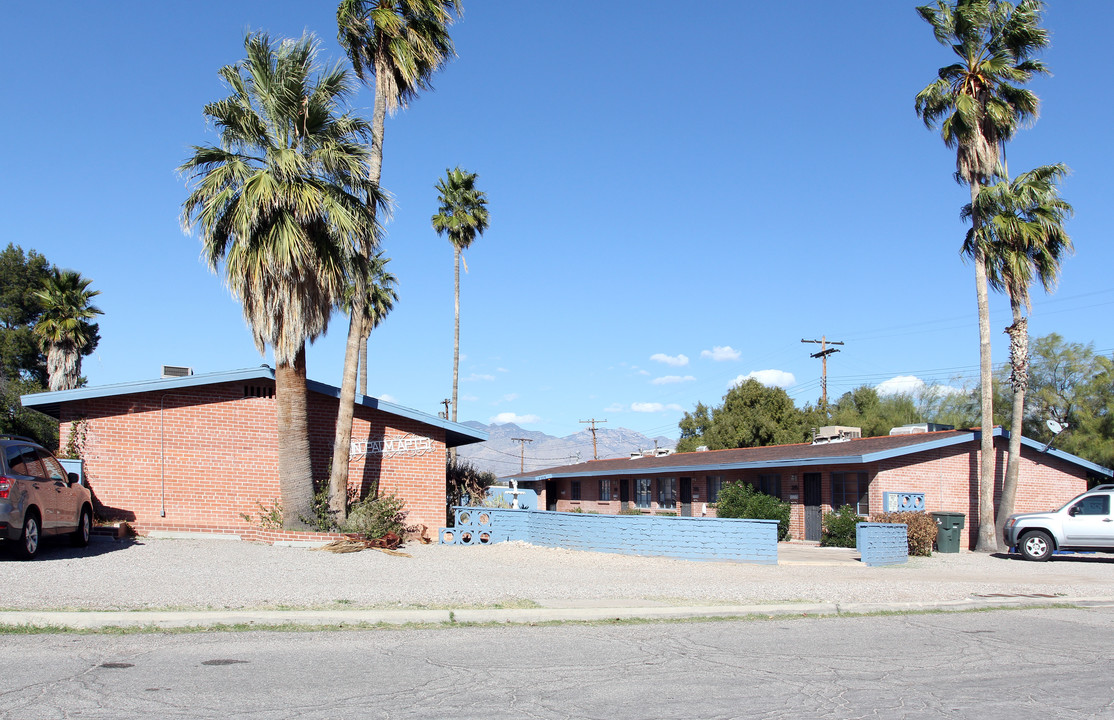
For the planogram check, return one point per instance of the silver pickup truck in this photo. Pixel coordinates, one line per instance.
(1084, 523)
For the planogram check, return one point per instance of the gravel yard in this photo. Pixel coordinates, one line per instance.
(191, 574)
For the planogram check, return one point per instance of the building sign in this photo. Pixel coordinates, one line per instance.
(393, 447)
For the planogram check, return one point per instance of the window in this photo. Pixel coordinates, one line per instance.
(715, 484)
(770, 484)
(54, 469)
(605, 490)
(575, 489)
(667, 492)
(1093, 505)
(851, 489)
(642, 492)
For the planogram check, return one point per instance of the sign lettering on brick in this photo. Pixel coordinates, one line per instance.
(406, 445)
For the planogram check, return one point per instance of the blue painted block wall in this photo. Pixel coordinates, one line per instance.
(882, 543)
(753, 541)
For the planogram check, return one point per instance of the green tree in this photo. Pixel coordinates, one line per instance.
(1023, 239)
(283, 203)
(876, 414)
(21, 275)
(400, 44)
(752, 415)
(63, 327)
(1072, 385)
(461, 216)
(978, 103)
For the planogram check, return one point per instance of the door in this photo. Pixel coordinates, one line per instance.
(1088, 522)
(624, 494)
(812, 502)
(551, 495)
(686, 497)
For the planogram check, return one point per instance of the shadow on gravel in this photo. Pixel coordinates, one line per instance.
(60, 548)
(1063, 557)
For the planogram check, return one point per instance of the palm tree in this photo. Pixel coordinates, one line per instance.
(462, 216)
(399, 43)
(284, 202)
(1022, 238)
(978, 104)
(63, 328)
(379, 300)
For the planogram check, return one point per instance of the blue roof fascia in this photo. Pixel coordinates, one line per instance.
(455, 433)
(1065, 456)
(142, 386)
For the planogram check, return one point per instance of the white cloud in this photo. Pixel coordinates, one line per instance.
(502, 370)
(614, 408)
(913, 385)
(475, 377)
(671, 379)
(509, 397)
(644, 372)
(510, 417)
(900, 385)
(769, 378)
(671, 360)
(651, 407)
(719, 354)
(388, 398)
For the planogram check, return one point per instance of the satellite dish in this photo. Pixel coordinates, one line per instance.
(1055, 427)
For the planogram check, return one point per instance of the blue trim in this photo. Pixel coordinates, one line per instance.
(934, 444)
(456, 434)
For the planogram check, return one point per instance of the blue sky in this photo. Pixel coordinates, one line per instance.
(663, 181)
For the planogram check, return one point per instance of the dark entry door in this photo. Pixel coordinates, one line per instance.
(686, 497)
(550, 495)
(812, 506)
(624, 493)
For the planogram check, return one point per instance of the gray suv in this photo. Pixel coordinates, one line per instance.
(1084, 523)
(39, 498)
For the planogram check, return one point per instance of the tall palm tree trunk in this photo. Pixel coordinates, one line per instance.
(1019, 380)
(295, 472)
(456, 326)
(363, 360)
(342, 441)
(986, 540)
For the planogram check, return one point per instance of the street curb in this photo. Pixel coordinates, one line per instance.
(339, 619)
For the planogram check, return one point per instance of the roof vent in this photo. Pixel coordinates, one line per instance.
(176, 371)
(702, 448)
(662, 452)
(835, 433)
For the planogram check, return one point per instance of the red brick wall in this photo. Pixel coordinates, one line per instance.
(213, 454)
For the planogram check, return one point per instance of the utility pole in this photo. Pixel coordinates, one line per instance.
(825, 351)
(522, 460)
(593, 421)
(446, 402)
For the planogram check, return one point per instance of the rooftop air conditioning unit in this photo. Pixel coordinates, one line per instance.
(662, 452)
(176, 371)
(917, 428)
(835, 433)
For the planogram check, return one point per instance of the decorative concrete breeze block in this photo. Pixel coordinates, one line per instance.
(882, 543)
(753, 541)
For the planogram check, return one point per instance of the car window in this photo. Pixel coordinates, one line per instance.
(1093, 505)
(13, 454)
(29, 461)
(54, 469)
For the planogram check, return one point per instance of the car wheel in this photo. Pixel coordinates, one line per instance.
(29, 541)
(1036, 546)
(84, 529)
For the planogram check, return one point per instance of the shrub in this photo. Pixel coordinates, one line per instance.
(839, 528)
(667, 513)
(375, 517)
(920, 527)
(740, 500)
(630, 511)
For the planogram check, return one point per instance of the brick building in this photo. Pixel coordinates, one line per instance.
(815, 478)
(198, 453)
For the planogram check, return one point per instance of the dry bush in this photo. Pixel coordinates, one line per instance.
(920, 527)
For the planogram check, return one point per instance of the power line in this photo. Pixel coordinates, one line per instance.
(825, 351)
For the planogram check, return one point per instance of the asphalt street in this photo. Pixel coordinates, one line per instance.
(1047, 663)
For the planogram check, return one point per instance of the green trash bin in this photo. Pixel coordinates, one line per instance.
(948, 525)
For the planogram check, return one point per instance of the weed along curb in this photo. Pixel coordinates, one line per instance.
(236, 620)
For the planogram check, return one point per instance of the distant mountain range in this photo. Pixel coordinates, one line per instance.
(503, 456)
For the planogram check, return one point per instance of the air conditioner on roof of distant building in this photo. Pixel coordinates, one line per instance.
(835, 433)
(173, 371)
